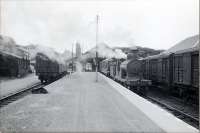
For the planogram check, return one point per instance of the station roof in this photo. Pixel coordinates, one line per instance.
(9, 54)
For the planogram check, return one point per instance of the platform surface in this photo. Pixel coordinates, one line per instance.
(79, 104)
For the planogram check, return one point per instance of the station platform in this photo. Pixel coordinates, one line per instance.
(77, 103)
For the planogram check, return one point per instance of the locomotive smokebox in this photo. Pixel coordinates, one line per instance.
(132, 54)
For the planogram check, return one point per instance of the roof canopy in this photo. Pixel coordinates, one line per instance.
(10, 54)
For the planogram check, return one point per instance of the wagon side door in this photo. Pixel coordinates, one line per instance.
(195, 70)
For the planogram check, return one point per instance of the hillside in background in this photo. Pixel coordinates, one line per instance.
(104, 51)
(140, 51)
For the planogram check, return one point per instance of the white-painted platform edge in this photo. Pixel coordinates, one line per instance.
(162, 118)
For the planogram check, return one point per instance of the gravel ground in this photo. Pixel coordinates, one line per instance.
(76, 103)
(175, 102)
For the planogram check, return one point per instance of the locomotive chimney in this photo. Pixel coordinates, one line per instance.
(132, 54)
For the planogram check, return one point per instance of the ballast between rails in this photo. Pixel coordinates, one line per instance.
(174, 111)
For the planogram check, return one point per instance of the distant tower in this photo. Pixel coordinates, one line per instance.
(78, 50)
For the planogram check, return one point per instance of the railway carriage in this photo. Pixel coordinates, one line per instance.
(158, 69)
(13, 65)
(186, 73)
(195, 69)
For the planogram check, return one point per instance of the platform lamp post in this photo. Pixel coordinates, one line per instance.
(199, 79)
(97, 23)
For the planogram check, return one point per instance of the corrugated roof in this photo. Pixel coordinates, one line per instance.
(10, 54)
(188, 45)
(191, 43)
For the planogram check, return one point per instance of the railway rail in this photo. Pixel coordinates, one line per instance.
(178, 113)
(18, 94)
(23, 92)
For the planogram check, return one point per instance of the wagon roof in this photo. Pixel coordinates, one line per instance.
(42, 56)
(161, 55)
(9, 54)
(188, 44)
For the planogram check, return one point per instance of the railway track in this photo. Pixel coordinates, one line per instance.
(23, 92)
(5, 100)
(176, 112)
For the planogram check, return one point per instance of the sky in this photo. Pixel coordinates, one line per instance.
(157, 24)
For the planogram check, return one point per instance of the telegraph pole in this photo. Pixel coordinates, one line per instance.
(72, 58)
(1, 30)
(97, 24)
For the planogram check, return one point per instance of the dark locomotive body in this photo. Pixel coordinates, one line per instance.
(104, 67)
(47, 69)
(114, 68)
(128, 73)
(13, 65)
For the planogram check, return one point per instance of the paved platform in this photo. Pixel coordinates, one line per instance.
(165, 120)
(78, 104)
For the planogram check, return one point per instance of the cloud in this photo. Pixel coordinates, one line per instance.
(60, 23)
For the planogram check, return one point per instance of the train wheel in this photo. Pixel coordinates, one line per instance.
(144, 90)
(41, 80)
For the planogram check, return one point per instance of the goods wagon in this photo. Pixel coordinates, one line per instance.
(47, 69)
(177, 69)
